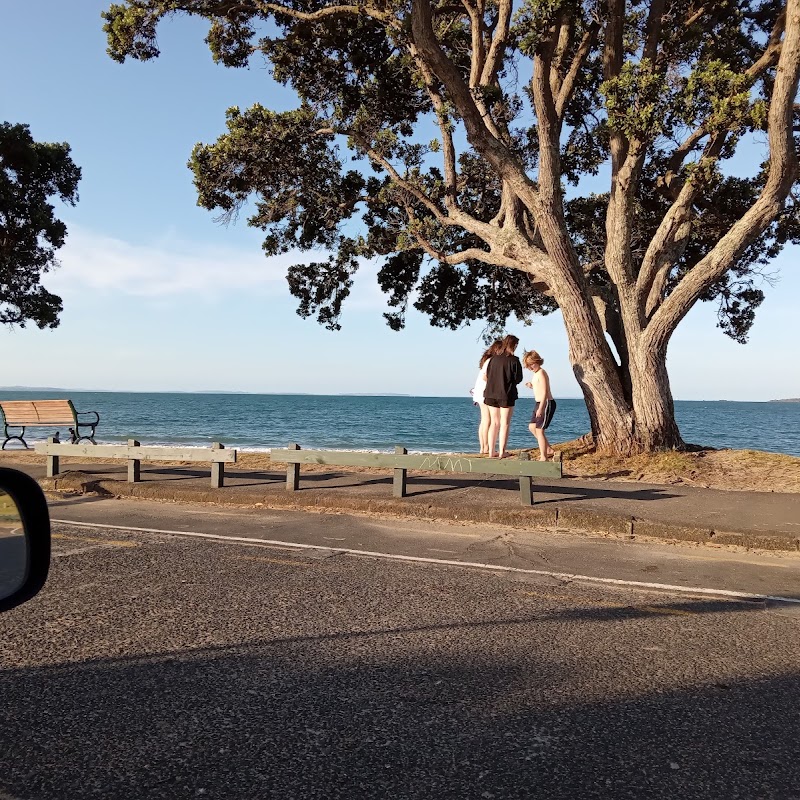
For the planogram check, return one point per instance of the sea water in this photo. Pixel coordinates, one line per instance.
(344, 422)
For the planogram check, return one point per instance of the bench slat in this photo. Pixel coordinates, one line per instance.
(37, 412)
(146, 454)
(420, 461)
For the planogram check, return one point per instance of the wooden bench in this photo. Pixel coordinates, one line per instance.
(45, 414)
(401, 462)
(134, 453)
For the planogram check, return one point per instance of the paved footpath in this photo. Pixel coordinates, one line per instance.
(762, 520)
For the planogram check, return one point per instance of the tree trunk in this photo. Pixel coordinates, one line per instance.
(596, 370)
(653, 408)
(624, 427)
(638, 420)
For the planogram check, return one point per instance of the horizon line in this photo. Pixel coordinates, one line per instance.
(320, 394)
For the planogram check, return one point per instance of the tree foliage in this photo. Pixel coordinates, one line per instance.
(31, 173)
(505, 158)
(364, 91)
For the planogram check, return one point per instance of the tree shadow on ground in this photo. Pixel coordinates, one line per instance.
(398, 712)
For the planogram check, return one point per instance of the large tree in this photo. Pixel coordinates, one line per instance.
(474, 119)
(31, 174)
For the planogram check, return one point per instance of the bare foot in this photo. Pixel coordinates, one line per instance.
(505, 455)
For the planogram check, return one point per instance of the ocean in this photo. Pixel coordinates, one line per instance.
(427, 424)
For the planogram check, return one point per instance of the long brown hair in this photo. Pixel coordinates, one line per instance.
(494, 349)
(508, 345)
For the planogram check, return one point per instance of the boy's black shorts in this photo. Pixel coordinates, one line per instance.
(546, 417)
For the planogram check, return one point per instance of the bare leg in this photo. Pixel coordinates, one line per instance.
(494, 427)
(545, 451)
(505, 421)
(483, 429)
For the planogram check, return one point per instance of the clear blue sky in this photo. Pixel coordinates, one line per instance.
(158, 296)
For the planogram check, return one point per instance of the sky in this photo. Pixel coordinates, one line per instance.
(160, 297)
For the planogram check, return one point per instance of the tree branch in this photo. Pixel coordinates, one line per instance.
(626, 161)
(570, 80)
(767, 60)
(486, 142)
(231, 9)
(782, 173)
(449, 154)
(404, 184)
(497, 48)
(492, 257)
(478, 57)
(548, 125)
(671, 237)
(566, 27)
(653, 30)
(613, 55)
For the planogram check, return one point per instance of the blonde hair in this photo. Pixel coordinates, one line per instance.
(531, 358)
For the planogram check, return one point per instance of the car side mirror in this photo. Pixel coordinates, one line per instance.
(24, 538)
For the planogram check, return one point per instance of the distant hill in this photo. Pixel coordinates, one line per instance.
(36, 389)
(787, 400)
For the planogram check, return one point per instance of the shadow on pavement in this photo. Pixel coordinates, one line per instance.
(280, 720)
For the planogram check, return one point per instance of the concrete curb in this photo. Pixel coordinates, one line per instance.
(557, 520)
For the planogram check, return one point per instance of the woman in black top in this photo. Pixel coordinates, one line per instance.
(503, 374)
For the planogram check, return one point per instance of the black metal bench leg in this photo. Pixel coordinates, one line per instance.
(77, 436)
(19, 438)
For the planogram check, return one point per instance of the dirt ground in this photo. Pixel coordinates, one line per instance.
(737, 470)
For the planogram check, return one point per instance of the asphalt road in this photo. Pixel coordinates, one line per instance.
(160, 666)
(711, 567)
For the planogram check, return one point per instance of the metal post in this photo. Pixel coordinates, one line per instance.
(217, 469)
(525, 487)
(134, 464)
(53, 462)
(399, 483)
(293, 472)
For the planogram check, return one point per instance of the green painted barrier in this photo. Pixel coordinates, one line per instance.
(400, 461)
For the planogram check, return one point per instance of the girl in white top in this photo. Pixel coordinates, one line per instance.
(477, 398)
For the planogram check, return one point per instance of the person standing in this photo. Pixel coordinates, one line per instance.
(545, 405)
(503, 373)
(478, 397)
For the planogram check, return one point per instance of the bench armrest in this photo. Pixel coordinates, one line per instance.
(88, 422)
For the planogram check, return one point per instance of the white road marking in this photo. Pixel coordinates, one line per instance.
(567, 576)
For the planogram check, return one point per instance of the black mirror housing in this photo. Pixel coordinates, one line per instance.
(35, 519)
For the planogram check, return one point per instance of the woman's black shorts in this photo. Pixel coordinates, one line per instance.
(490, 401)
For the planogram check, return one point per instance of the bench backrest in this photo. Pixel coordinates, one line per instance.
(438, 462)
(38, 412)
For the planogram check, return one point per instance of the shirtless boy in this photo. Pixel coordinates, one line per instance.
(545, 404)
